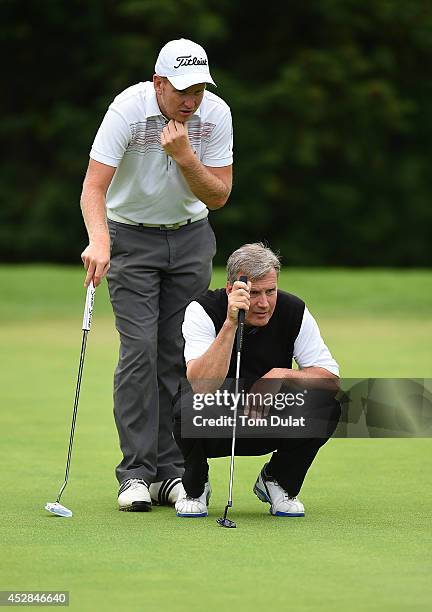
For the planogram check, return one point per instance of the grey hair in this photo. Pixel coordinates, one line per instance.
(254, 260)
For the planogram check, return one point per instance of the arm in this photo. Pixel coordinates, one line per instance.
(106, 154)
(272, 382)
(313, 359)
(207, 372)
(302, 373)
(96, 256)
(211, 185)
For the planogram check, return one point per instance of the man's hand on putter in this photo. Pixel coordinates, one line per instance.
(175, 142)
(238, 299)
(96, 260)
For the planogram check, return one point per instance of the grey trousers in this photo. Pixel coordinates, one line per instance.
(154, 275)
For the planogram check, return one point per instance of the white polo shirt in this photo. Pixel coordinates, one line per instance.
(309, 347)
(147, 186)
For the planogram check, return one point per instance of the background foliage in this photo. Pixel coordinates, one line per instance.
(331, 106)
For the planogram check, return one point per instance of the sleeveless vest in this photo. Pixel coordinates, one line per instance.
(266, 347)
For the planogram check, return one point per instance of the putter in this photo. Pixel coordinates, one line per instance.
(224, 521)
(56, 507)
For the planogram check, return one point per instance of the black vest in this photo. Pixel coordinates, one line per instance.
(264, 348)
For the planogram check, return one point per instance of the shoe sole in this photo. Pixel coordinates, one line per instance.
(139, 506)
(262, 496)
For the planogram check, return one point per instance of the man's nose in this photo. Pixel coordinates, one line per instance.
(262, 301)
(189, 102)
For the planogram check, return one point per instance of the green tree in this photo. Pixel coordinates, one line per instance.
(330, 101)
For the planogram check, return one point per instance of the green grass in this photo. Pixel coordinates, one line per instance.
(364, 544)
(35, 292)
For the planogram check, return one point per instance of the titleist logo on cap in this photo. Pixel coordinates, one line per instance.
(188, 60)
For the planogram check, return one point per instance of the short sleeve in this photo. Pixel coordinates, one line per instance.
(309, 347)
(198, 331)
(219, 151)
(111, 140)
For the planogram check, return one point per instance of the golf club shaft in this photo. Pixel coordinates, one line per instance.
(239, 342)
(88, 310)
(234, 432)
(75, 410)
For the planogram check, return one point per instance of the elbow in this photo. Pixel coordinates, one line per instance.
(327, 374)
(200, 383)
(192, 376)
(319, 372)
(216, 205)
(198, 386)
(87, 195)
(218, 202)
(82, 201)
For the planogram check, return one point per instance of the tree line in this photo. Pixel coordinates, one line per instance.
(331, 109)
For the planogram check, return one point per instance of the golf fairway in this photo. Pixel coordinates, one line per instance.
(365, 541)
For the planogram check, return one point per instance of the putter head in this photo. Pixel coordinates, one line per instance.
(224, 522)
(58, 509)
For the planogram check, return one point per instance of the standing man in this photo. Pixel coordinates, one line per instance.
(278, 329)
(161, 159)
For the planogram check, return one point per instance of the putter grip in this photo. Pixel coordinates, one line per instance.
(88, 308)
(241, 320)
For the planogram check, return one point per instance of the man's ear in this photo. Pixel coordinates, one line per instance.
(157, 83)
(228, 288)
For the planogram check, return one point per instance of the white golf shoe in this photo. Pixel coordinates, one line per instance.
(268, 490)
(193, 507)
(134, 496)
(165, 492)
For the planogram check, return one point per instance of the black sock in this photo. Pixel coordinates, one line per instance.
(267, 472)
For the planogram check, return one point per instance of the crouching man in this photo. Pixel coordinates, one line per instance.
(278, 329)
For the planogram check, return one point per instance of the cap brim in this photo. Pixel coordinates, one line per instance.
(184, 81)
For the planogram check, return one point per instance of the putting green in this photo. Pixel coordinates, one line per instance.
(365, 541)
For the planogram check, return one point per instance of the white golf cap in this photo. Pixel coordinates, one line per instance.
(184, 63)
